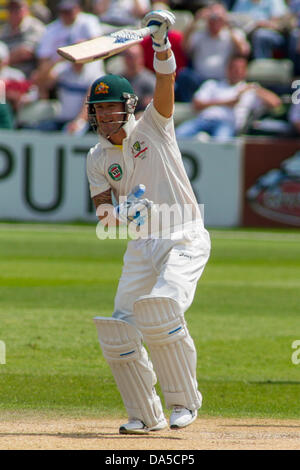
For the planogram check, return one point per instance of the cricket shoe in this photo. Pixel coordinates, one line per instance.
(182, 417)
(135, 426)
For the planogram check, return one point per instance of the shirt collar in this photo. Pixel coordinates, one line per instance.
(130, 125)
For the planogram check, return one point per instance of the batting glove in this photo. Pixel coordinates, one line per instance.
(164, 19)
(136, 212)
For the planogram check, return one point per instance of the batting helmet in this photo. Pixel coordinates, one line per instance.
(114, 89)
(110, 88)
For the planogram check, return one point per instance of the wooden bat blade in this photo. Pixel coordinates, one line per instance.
(95, 49)
(104, 46)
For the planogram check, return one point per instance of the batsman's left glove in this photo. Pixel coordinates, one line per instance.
(134, 212)
(133, 209)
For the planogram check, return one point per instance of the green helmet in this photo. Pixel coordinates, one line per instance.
(110, 88)
(114, 89)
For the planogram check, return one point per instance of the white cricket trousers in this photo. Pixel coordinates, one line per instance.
(162, 268)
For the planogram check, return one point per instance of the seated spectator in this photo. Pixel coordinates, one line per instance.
(21, 34)
(266, 34)
(71, 26)
(121, 12)
(18, 89)
(209, 50)
(7, 72)
(224, 106)
(142, 80)
(72, 82)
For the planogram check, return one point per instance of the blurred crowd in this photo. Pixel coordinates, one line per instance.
(238, 64)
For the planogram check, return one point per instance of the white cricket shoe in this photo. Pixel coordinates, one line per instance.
(135, 426)
(182, 417)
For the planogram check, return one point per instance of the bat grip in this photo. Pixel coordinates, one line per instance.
(148, 30)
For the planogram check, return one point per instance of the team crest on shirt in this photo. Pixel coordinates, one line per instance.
(115, 172)
(139, 150)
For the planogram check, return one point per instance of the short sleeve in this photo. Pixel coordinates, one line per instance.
(97, 181)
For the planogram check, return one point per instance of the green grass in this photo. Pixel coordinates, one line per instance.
(54, 279)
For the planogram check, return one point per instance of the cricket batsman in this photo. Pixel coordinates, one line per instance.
(160, 272)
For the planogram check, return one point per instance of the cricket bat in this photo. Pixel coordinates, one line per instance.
(105, 46)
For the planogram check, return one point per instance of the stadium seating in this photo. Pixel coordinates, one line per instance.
(275, 74)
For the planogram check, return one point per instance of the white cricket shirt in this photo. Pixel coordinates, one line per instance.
(149, 156)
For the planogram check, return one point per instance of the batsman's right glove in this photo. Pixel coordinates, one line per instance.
(164, 19)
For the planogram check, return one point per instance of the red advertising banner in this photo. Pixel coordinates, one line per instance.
(272, 183)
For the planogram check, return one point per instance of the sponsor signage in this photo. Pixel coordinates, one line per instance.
(215, 171)
(43, 177)
(272, 184)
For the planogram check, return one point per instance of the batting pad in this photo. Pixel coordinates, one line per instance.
(133, 372)
(172, 349)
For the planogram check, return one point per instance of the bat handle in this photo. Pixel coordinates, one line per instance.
(143, 32)
(136, 193)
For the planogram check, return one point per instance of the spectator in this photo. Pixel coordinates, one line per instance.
(22, 34)
(71, 26)
(121, 12)
(18, 90)
(6, 114)
(71, 82)
(7, 72)
(141, 79)
(209, 49)
(266, 35)
(224, 106)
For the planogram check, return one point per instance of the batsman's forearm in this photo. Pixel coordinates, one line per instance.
(105, 209)
(106, 215)
(164, 98)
